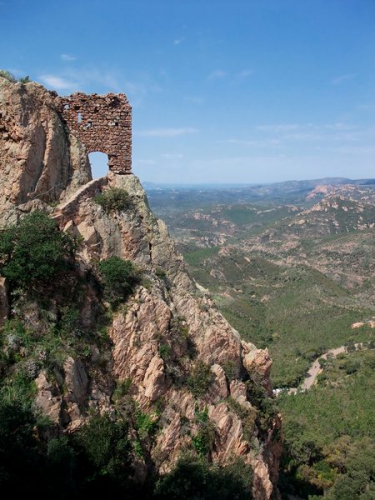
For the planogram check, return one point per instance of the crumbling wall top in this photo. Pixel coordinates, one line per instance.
(102, 123)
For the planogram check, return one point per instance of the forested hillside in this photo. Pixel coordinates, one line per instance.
(292, 269)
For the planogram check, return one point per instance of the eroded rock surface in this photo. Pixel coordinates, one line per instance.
(158, 336)
(39, 159)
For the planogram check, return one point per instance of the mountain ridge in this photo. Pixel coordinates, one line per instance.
(159, 337)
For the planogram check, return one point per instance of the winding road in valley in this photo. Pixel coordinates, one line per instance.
(315, 369)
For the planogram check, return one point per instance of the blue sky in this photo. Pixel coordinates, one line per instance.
(240, 91)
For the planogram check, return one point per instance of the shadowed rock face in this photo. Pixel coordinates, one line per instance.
(41, 161)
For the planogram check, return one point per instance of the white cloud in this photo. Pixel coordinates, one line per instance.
(220, 74)
(79, 79)
(172, 156)
(342, 78)
(282, 127)
(166, 132)
(68, 57)
(305, 136)
(101, 80)
(337, 131)
(138, 90)
(146, 162)
(245, 73)
(367, 106)
(58, 83)
(339, 126)
(94, 76)
(178, 41)
(255, 143)
(355, 150)
(216, 75)
(296, 139)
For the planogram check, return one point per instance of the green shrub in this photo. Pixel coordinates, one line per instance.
(247, 415)
(144, 423)
(115, 199)
(8, 75)
(25, 79)
(203, 440)
(19, 457)
(160, 273)
(200, 379)
(11, 78)
(122, 389)
(231, 369)
(351, 366)
(105, 445)
(34, 252)
(179, 326)
(119, 278)
(165, 351)
(198, 480)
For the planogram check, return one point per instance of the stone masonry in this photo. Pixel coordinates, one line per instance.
(102, 123)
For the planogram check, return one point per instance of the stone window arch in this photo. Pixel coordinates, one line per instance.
(103, 123)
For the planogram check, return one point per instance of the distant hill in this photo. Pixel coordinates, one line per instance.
(163, 197)
(291, 266)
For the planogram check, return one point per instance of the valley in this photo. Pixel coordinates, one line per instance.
(291, 267)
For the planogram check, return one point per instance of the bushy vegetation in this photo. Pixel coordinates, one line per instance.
(114, 200)
(200, 379)
(47, 293)
(195, 257)
(46, 326)
(196, 479)
(99, 460)
(35, 252)
(296, 285)
(177, 349)
(104, 449)
(119, 278)
(204, 437)
(297, 313)
(247, 415)
(326, 427)
(34, 460)
(11, 78)
(20, 460)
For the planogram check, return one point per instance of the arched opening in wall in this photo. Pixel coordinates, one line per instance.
(99, 164)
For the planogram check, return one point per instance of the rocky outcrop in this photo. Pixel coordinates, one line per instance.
(39, 159)
(163, 333)
(258, 361)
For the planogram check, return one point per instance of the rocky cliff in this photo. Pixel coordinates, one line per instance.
(160, 337)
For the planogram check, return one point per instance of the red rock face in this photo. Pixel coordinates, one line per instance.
(44, 139)
(102, 123)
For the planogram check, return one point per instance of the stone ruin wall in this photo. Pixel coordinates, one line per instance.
(102, 123)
